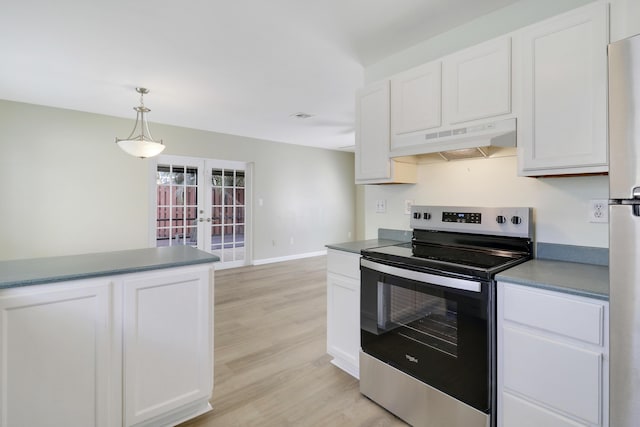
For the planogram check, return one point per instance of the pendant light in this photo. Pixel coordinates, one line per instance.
(140, 143)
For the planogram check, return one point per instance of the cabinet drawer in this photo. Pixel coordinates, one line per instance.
(551, 312)
(520, 413)
(345, 263)
(560, 376)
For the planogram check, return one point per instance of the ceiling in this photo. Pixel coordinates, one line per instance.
(241, 67)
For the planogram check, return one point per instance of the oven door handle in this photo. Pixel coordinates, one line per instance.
(448, 282)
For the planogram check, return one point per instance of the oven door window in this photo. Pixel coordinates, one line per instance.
(430, 320)
(438, 335)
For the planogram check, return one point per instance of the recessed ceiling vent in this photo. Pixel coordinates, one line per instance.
(301, 115)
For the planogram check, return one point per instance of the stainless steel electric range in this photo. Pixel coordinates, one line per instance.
(428, 312)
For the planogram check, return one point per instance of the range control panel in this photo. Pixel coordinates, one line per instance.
(511, 221)
(466, 217)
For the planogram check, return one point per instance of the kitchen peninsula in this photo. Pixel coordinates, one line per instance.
(117, 338)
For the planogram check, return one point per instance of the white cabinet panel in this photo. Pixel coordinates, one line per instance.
(168, 347)
(563, 126)
(343, 310)
(344, 263)
(564, 377)
(553, 367)
(55, 355)
(520, 413)
(373, 136)
(343, 320)
(416, 99)
(478, 82)
(373, 132)
(524, 306)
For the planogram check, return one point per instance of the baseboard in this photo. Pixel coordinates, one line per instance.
(288, 257)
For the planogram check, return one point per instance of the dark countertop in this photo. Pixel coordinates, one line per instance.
(357, 246)
(37, 271)
(569, 277)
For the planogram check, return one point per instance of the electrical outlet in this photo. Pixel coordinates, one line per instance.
(381, 206)
(598, 211)
(407, 206)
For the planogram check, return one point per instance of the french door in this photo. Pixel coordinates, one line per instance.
(202, 203)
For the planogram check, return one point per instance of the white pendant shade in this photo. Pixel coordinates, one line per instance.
(142, 149)
(140, 143)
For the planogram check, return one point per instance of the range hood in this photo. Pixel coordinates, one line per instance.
(458, 143)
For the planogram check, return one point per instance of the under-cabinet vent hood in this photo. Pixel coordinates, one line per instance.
(459, 143)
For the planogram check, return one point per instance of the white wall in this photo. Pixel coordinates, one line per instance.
(67, 188)
(497, 23)
(560, 204)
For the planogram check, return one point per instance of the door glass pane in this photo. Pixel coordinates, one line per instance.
(239, 218)
(216, 238)
(228, 178)
(177, 205)
(228, 214)
(216, 215)
(239, 178)
(216, 196)
(216, 177)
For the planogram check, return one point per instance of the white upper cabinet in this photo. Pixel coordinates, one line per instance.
(477, 82)
(372, 132)
(416, 99)
(373, 165)
(444, 97)
(563, 123)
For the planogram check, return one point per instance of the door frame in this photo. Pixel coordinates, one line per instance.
(204, 194)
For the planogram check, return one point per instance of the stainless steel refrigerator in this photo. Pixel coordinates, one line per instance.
(624, 232)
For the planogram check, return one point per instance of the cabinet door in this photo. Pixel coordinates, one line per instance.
(563, 127)
(343, 321)
(55, 355)
(520, 413)
(372, 132)
(168, 342)
(478, 82)
(416, 99)
(561, 376)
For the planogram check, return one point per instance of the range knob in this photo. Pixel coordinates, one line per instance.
(416, 215)
(516, 220)
(500, 219)
(426, 215)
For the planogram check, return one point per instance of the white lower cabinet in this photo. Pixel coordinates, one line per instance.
(132, 349)
(343, 310)
(168, 346)
(552, 358)
(56, 355)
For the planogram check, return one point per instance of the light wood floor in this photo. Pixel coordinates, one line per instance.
(271, 366)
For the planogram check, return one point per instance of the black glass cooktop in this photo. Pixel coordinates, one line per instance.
(469, 258)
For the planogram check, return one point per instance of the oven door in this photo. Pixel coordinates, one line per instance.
(435, 328)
